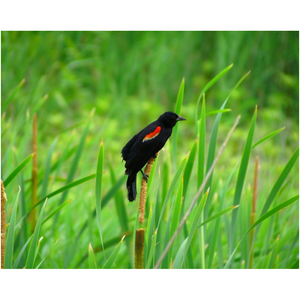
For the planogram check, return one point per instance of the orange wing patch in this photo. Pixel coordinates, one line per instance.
(153, 134)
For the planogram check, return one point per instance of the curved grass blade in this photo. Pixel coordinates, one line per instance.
(47, 169)
(92, 259)
(34, 243)
(194, 225)
(218, 215)
(38, 266)
(56, 211)
(214, 134)
(17, 261)
(219, 111)
(241, 176)
(173, 184)
(12, 95)
(98, 189)
(179, 255)
(260, 220)
(9, 248)
(60, 190)
(17, 170)
(109, 263)
(152, 250)
(175, 129)
(188, 170)
(268, 136)
(280, 181)
(201, 148)
(208, 85)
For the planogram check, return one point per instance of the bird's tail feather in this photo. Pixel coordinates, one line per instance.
(131, 187)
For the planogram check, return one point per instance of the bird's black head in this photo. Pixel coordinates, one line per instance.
(170, 119)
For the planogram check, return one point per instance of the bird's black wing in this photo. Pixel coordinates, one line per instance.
(126, 149)
(148, 142)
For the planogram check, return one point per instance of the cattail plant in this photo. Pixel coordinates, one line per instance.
(140, 232)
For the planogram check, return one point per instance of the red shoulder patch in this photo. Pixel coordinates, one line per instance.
(152, 134)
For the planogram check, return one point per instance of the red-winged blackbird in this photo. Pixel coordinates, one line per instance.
(145, 145)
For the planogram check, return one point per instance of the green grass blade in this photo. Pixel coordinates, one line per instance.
(241, 176)
(280, 181)
(218, 215)
(110, 261)
(268, 136)
(216, 231)
(92, 259)
(98, 189)
(194, 225)
(219, 111)
(9, 247)
(152, 250)
(47, 169)
(17, 170)
(38, 266)
(214, 134)
(172, 187)
(175, 129)
(119, 203)
(201, 148)
(34, 243)
(55, 211)
(179, 255)
(58, 191)
(12, 95)
(208, 85)
(188, 169)
(260, 220)
(17, 261)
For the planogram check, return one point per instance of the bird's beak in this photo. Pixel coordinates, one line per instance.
(180, 119)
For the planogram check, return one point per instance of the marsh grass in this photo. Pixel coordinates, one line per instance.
(87, 216)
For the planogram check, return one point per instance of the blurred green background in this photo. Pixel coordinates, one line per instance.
(130, 78)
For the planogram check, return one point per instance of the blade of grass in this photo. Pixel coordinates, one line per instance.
(92, 259)
(214, 134)
(9, 248)
(55, 211)
(194, 228)
(17, 261)
(219, 111)
(175, 129)
(38, 266)
(173, 184)
(47, 169)
(60, 190)
(179, 255)
(268, 136)
(17, 170)
(208, 85)
(12, 95)
(201, 148)
(98, 189)
(241, 177)
(110, 261)
(152, 251)
(33, 246)
(260, 220)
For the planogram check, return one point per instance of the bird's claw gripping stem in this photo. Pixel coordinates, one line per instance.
(146, 177)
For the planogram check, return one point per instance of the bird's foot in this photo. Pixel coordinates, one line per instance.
(146, 177)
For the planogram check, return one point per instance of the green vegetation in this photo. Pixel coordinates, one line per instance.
(92, 91)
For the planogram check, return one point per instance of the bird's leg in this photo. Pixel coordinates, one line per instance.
(145, 176)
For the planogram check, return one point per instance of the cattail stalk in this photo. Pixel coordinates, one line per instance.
(34, 171)
(3, 224)
(253, 212)
(140, 232)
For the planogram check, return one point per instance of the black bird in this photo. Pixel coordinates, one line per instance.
(145, 145)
